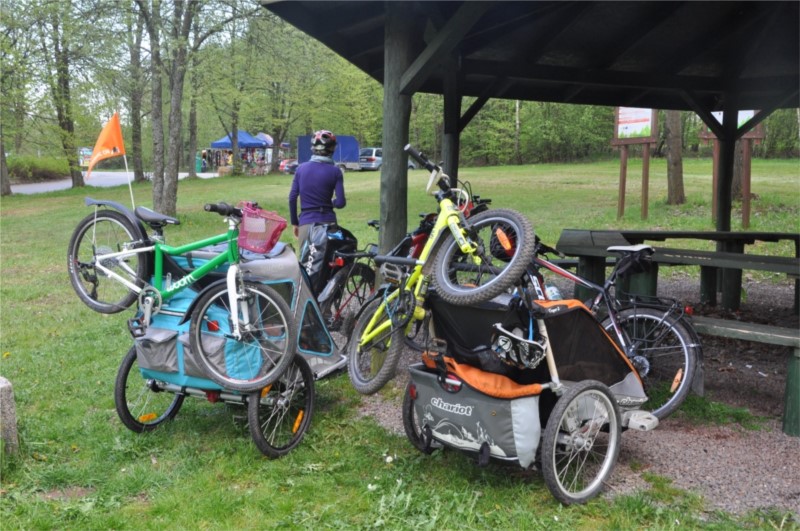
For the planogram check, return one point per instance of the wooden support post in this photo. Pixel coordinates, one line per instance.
(714, 179)
(708, 285)
(732, 280)
(398, 36)
(746, 163)
(592, 268)
(623, 173)
(791, 399)
(645, 179)
(645, 283)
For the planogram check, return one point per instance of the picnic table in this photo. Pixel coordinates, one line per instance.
(720, 270)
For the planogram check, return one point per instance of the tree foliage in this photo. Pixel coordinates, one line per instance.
(68, 65)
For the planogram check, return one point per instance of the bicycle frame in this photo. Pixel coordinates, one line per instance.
(603, 296)
(450, 218)
(159, 249)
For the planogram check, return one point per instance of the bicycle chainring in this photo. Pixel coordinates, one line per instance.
(151, 293)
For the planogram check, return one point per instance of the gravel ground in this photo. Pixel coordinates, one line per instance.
(732, 468)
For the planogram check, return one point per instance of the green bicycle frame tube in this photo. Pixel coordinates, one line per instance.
(160, 249)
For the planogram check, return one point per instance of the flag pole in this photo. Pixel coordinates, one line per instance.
(130, 187)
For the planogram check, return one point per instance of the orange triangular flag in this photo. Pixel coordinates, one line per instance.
(109, 143)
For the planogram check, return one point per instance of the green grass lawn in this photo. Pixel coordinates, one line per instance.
(80, 468)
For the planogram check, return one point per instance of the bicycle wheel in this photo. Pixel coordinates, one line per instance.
(141, 403)
(373, 364)
(353, 287)
(267, 345)
(505, 246)
(581, 442)
(279, 415)
(410, 425)
(103, 233)
(662, 352)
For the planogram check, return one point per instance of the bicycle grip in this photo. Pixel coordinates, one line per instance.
(419, 157)
(223, 209)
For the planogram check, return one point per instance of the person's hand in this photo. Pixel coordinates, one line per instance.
(296, 230)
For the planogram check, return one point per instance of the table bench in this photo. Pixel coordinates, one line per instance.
(590, 248)
(772, 335)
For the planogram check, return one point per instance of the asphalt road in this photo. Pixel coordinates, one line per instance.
(99, 179)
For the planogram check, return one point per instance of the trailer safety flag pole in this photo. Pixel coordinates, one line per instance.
(109, 145)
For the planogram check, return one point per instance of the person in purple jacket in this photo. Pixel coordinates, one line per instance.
(320, 186)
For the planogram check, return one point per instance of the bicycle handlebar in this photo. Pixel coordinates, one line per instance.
(223, 209)
(542, 248)
(419, 157)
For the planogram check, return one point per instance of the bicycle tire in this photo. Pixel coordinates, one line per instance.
(268, 341)
(279, 415)
(459, 281)
(664, 354)
(103, 233)
(410, 425)
(372, 366)
(353, 287)
(581, 442)
(140, 403)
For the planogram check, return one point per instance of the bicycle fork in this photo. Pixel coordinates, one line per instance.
(233, 298)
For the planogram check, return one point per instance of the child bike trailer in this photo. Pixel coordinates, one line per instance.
(563, 413)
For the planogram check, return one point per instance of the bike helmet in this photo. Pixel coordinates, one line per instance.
(323, 143)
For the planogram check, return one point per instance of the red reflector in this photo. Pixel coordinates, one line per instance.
(337, 262)
(689, 310)
(412, 391)
(213, 326)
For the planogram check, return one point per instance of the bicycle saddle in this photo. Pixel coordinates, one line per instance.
(155, 220)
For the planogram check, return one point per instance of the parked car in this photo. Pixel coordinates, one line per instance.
(371, 159)
(288, 166)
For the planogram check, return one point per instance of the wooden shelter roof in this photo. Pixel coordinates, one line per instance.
(664, 55)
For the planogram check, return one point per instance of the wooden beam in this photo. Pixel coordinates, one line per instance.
(495, 89)
(443, 44)
(611, 78)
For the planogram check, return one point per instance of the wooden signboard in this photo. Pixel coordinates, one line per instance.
(633, 125)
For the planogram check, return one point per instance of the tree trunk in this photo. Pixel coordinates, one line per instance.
(672, 130)
(236, 159)
(5, 181)
(136, 96)
(63, 102)
(192, 147)
(738, 171)
(153, 21)
(183, 17)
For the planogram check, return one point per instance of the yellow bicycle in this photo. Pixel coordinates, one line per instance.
(467, 261)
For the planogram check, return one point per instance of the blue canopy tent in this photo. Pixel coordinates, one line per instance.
(244, 139)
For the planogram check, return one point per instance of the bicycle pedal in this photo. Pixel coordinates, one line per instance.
(136, 327)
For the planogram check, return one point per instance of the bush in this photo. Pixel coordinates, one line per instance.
(30, 169)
